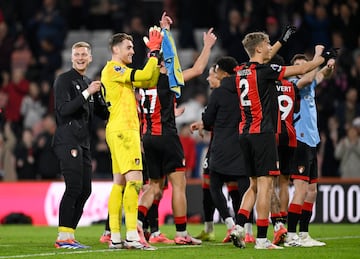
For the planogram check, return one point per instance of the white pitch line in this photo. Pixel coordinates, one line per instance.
(81, 251)
(119, 250)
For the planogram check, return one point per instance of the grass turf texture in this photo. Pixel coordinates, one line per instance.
(25, 241)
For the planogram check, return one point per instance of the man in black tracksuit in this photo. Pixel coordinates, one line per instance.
(76, 99)
(222, 116)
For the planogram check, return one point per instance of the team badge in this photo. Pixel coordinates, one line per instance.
(301, 169)
(137, 161)
(77, 87)
(74, 152)
(276, 67)
(183, 162)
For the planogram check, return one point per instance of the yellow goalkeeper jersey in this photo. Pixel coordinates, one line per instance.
(119, 92)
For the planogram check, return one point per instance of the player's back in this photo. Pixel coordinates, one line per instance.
(158, 104)
(255, 85)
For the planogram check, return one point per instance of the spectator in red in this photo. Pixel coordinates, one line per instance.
(16, 89)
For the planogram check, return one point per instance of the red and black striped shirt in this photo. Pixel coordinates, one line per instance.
(288, 102)
(157, 109)
(256, 91)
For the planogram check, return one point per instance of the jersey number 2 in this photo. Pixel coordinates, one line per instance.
(244, 87)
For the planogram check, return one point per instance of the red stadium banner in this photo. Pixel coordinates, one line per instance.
(337, 202)
(40, 201)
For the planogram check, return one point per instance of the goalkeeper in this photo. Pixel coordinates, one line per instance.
(122, 133)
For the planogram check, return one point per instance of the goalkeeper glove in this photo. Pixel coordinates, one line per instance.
(289, 30)
(155, 38)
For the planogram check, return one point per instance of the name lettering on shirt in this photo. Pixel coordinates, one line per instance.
(244, 72)
(283, 88)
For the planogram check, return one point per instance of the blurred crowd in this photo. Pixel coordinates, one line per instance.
(33, 35)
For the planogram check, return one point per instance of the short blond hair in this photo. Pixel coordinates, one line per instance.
(81, 44)
(252, 40)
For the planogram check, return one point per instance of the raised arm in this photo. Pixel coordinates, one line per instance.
(307, 78)
(201, 62)
(165, 21)
(150, 69)
(287, 33)
(304, 68)
(326, 71)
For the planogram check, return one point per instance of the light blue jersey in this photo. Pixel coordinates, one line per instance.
(306, 119)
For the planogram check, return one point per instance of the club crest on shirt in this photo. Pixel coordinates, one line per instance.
(73, 152)
(137, 161)
(276, 67)
(301, 169)
(120, 69)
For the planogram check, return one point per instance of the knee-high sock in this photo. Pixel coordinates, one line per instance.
(235, 197)
(153, 216)
(262, 227)
(243, 185)
(208, 204)
(130, 201)
(294, 213)
(242, 217)
(284, 215)
(115, 203)
(180, 223)
(305, 217)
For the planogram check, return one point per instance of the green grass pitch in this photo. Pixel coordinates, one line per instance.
(25, 241)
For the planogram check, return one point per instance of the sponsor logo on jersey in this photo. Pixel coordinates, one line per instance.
(120, 69)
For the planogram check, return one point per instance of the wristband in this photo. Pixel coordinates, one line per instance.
(282, 42)
(154, 53)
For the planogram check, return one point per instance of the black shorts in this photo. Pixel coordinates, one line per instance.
(305, 162)
(146, 178)
(164, 155)
(225, 178)
(260, 151)
(286, 159)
